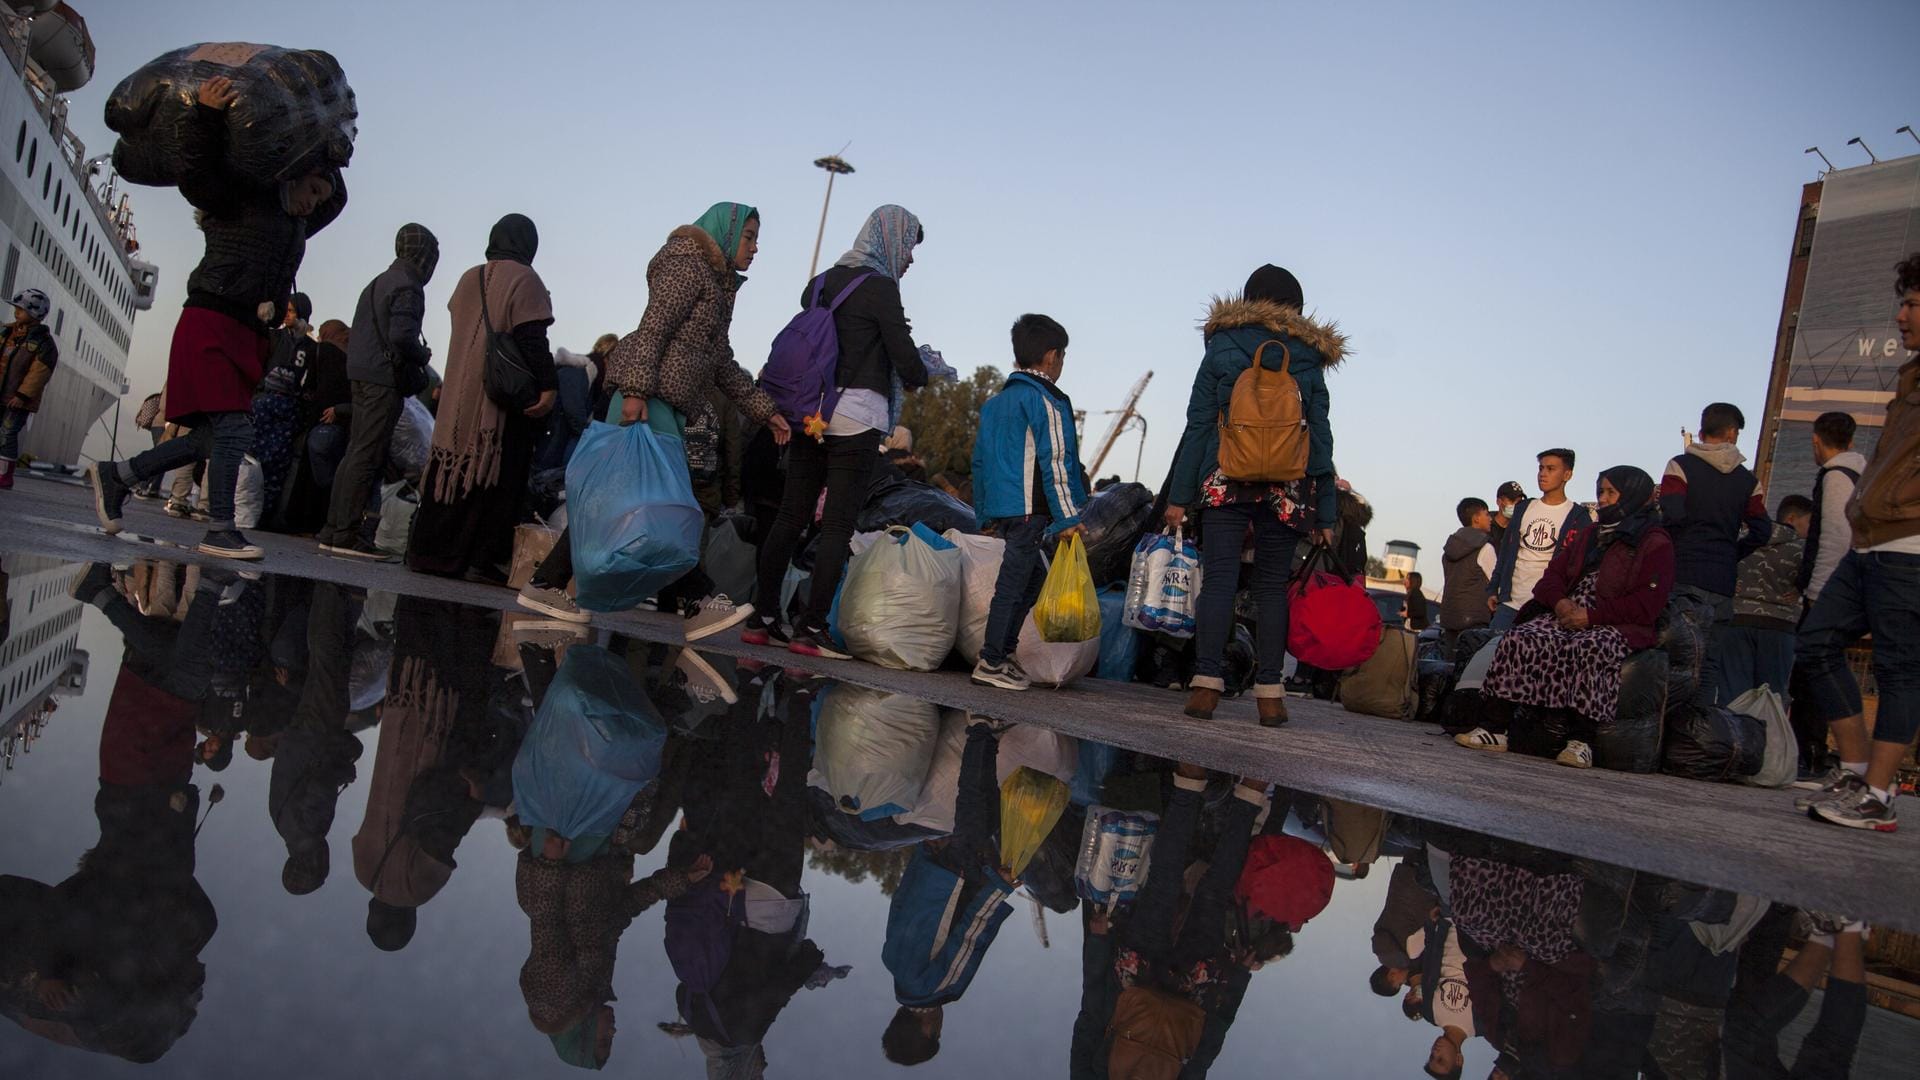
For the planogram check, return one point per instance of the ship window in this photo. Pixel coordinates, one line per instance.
(13, 269)
(46, 181)
(20, 143)
(59, 321)
(33, 156)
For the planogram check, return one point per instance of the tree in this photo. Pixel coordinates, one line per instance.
(943, 417)
(1375, 567)
(857, 866)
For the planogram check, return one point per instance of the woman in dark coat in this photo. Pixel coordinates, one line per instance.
(1597, 602)
(256, 239)
(476, 478)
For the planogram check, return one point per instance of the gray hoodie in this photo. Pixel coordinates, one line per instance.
(1832, 534)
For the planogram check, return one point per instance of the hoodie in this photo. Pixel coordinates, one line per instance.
(1829, 536)
(1463, 592)
(1767, 596)
(1715, 510)
(387, 319)
(1234, 330)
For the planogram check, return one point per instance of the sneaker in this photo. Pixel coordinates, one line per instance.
(713, 614)
(94, 585)
(179, 508)
(1482, 739)
(1575, 755)
(816, 643)
(1006, 675)
(548, 633)
(359, 548)
(109, 494)
(146, 494)
(1857, 809)
(995, 726)
(760, 630)
(1836, 782)
(228, 544)
(703, 681)
(551, 602)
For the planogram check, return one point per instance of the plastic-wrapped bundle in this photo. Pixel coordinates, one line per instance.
(412, 438)
(1684, 642)
(979, 569)
(872, 749)
(1712, 742)
(594, 744)
(293, 113)
(1114, 520)
(636, 526)
(899, 604)
(895, 500)
(1632, 742)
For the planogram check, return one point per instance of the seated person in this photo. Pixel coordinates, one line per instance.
(1597, 602)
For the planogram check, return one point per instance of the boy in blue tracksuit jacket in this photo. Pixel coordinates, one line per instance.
(1027, 484)
(948, 906)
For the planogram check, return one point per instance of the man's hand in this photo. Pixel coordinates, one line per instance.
(1174, 516)
(543, 406)
(1324, 538)
(782, 431)
(18, 402)
(218, 92)
(633, 409)
(1493, 604)
(701, 867)
(327, 415)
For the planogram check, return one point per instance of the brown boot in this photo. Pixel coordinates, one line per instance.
(1201, 702)
(1273, 711)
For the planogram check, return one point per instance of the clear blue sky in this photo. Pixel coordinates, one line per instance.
(1539, 227)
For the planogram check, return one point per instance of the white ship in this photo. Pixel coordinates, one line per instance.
(65, 229)
(40, 656)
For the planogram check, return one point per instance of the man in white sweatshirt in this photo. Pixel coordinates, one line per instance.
(1830, 536)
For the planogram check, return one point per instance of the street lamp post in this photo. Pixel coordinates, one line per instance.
(835, 166)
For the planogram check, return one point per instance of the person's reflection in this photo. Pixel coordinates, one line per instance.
(583, 805)
(746, 804)
(313, 757)
(446, 732)
(108, 960)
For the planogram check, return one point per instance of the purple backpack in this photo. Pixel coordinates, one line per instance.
(799, 374)
(701, 924)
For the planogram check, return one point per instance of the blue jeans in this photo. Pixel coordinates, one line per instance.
(1503, 618)
(1751, 656)
(12, 422)
(1223, 531)
(326, 447)
(223, 438)
(1017, 587)
(1874, 593)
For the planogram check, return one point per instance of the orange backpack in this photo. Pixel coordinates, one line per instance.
(1263, 433)
(1154, 1033)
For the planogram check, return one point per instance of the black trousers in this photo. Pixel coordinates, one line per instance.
(375, 410)
(843, 467)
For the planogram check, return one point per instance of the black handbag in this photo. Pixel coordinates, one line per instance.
(507, 378)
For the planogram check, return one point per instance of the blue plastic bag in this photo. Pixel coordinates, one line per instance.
(595, 742)
(632, 515)
(1119, 647)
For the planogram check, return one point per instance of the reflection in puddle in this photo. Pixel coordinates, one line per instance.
(838, 878)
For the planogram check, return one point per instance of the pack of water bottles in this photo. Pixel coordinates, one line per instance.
(1115, 846)
(1164, 585)
(293, 113)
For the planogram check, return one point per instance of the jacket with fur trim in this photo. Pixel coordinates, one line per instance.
(1234, 331)
(681, 349)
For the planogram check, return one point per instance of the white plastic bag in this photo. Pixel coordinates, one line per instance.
(412, 438)
(249, 496)
(1037, 748)
(1781, 761)
(900, 604)
(1054, 663)
(979, 569)
(1163, 587)
(872, 749)
(398, 503)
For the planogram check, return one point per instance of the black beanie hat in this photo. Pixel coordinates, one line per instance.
(302, 305)
(1272, 283)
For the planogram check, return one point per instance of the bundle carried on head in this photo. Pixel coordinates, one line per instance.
(293, 113)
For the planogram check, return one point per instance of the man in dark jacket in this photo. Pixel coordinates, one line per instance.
(386, 359)
(1715, 510)
(1755, 648)
(1467, 563)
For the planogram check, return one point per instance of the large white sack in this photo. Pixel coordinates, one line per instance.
(872, 749)
(900, 603)
(1035, 747)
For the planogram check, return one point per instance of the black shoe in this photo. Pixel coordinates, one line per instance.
(228, 544)
(94, 585)
(816, 643)
(109, 493)
(761, 630)
(486, 575)
(360, 548)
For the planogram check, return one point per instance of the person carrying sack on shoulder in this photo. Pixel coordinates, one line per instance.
(1257, 453)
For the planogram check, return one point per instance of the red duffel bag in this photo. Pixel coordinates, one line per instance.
(1330, 624)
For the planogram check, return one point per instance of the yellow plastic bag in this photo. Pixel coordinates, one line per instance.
(1069, 607)
(1031, 803)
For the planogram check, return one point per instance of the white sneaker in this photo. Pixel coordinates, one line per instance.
(714, 614)
(1576, 755)
(1482, 739)
(703, 681)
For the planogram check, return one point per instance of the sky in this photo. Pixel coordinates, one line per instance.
(1539, 228)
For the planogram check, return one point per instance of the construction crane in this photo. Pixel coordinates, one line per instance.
(1123, 417)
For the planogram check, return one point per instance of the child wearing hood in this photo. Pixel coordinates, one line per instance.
(1467, 562)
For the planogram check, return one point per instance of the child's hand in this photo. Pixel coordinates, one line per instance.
(701, 867)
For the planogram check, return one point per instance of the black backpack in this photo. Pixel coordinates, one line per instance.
(506, 376)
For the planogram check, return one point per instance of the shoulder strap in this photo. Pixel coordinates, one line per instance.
(1850, 473)
(1286, 352)
(844, 293)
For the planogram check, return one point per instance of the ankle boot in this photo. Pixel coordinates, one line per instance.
(1201, 702)
(1273, 711)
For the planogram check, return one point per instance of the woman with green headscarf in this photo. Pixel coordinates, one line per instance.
(665, 371)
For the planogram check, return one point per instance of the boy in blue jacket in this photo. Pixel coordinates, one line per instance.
(1027, 484)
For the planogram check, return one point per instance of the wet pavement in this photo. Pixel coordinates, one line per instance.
(423, 854)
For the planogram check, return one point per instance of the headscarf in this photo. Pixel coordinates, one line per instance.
(334, 332)
(579, 1045)
(1626, 519)
(1275, 284)
(416, 246)
(725, 221)
(513, 238)
(886, 242)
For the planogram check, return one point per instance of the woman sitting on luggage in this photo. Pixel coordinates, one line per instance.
(1596, 603)
(1267, 315)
